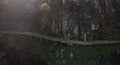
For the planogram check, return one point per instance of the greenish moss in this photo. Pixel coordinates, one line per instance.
(56, 54)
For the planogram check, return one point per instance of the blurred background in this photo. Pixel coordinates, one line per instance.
(83, 20)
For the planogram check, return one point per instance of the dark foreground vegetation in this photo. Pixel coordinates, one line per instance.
(82, 20)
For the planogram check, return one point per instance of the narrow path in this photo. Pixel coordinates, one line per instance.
(69, 42)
